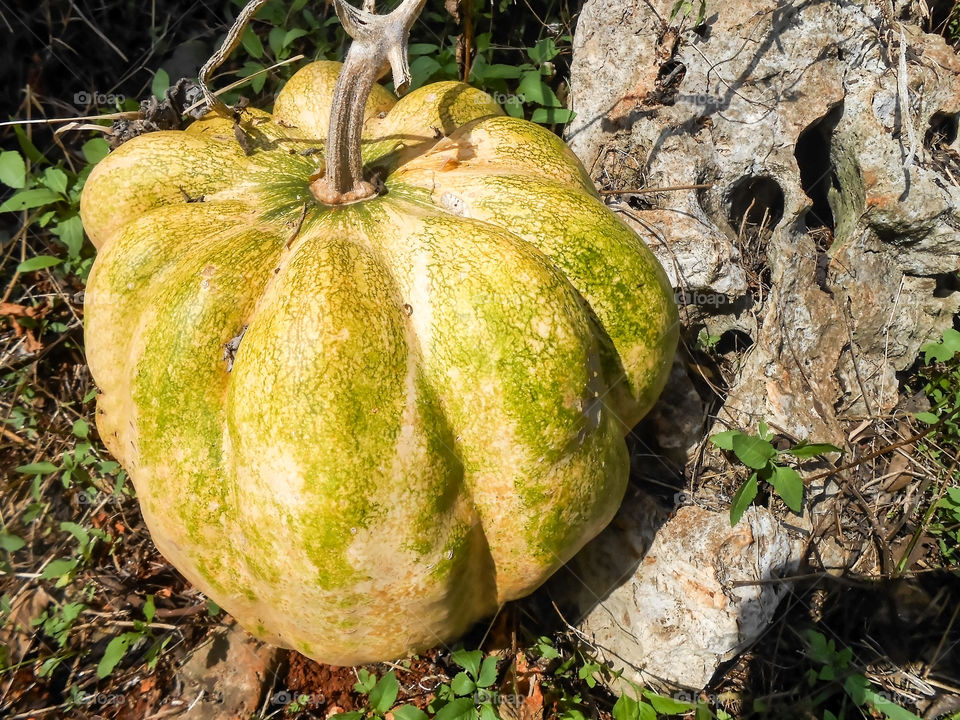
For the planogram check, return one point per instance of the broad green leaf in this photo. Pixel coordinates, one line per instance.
(487, 712)
(11, 543)
(149, 609)
(551, 116)
(543, 51)
(38, 468)
(788, 485)
(81, 428)
(752, 451)
(275, 40)
(422, 69)
(95, 150)
(58, 568)
(422, 49)
(927, 417)
(724, 440)
(459, 709)
(39, 262)
(469, 660)
(384, 693)
(366, 681)
(888, 707)
(70, 232)
(763, 430)
(55, 179)
(646, 711)
(409, 712)
(626, 708)
(488, 672)
(501, 72)
(667, 705)
(115, 651)
(292, 35)
(160, 84)
(27, 199)
(462, 684)
(252, 44)
(742, 499)
(809, 450)
(534, 91)
(13, 171)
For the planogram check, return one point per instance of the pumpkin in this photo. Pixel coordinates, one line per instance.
(360, 428)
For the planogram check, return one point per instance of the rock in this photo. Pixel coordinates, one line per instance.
(828, 235)
(225, 676)
(694, 600)
(793, 112)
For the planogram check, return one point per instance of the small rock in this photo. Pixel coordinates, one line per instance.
(697, 597)
(228, 671)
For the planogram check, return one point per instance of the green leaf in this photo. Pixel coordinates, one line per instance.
(252, 44)
(160, 84)
(927, 417)
(384, 693)
(58, 568)
(422, 69)
(459, 709)
(788, 485)
(488, 672)
(763, 430)
(27, 199)
(149, 609)
(55, 179)
(291, 36)
(80, 428)
(365, 681)
(752, 451)
(70, 232)
(805, 450)
(275, 40)
(469, 660)
(626, 708)
(533, 90)
(78, 531)
(38, 263)
(409, 712)
(13, 171)
(38, 468)
(28, 148)
(666, 705)
(352, 715)
(422, 49)
(462, 684)
(646, 711)
(115, 651)
(11, 543)
(551, 116)
(724, 440)
(95, 150)
(500, 72)
(742, 499)
(543, 51)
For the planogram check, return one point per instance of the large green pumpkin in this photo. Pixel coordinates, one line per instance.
(360, 429)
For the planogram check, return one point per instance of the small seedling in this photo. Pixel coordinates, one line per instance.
(759, 454)
(119, 645)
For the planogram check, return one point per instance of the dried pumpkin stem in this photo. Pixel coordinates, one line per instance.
(379, 44)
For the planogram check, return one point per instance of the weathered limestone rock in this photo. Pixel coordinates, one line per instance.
(834, 126)
(701, 592)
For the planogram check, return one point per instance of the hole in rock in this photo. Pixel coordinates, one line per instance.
(947, 284)
(734, 341)
(818, 175)
(943, 129)
(758, 200)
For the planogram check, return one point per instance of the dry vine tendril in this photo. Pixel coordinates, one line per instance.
(379, 44)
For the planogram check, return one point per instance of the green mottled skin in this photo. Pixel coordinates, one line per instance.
(425, 414)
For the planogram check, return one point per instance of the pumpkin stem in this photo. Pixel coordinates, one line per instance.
(379, 44)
